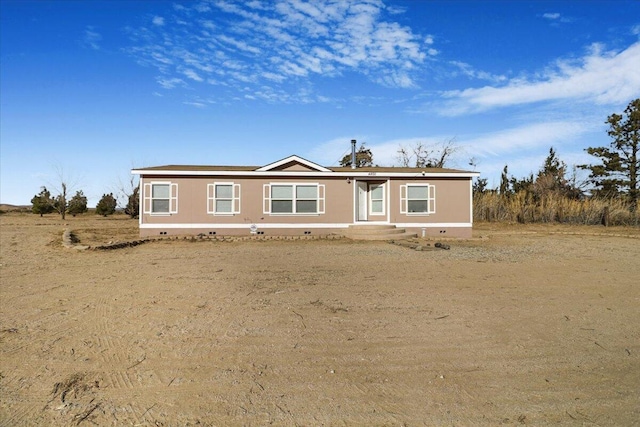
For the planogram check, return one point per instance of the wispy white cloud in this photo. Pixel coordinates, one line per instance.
(202, 7)
(523, 147)
(525, 137)
(195, 104)
(192, 75)
(555, 18)
(469, 71)
(282, 42)
(601, 77)
(396, 10)
(91, 38)
(169, 83)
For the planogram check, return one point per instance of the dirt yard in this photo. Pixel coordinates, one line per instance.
(529, 325)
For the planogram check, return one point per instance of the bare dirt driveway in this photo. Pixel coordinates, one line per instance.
(528, 326)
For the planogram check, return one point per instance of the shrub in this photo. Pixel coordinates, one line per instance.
(77, 204)
(106, 205)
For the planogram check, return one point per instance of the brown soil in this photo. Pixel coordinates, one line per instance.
(528, 326)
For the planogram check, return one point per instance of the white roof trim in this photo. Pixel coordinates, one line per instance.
(353, 175)
(293, 159)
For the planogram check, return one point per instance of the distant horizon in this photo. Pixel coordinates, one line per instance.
(91, 90)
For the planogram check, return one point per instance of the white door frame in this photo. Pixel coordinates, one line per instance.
(362, 197)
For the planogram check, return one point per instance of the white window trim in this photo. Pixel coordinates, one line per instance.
(431, 200)
(148, 198)
(211, 199)
(320, 199)
(383, 199)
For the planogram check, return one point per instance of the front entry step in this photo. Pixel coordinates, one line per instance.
(377, 232)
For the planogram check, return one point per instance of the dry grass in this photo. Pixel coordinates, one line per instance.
(524, 208)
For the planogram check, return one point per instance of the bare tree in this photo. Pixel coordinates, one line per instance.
(60, 203)
(413, 155)
(421, 155)
(63, 186)
(126, 194)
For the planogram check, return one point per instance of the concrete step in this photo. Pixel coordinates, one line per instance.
(371, 226)
(395, 236)
(374, 231)
(377, 232)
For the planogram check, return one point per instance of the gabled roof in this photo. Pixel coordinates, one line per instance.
(298, 166)
(194, 168)
(396, 169)
(292, 160)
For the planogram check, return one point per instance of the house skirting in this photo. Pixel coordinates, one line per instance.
(453, 230)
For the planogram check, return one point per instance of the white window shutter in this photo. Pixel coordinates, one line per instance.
(211, 191)
(173, 199)
(236, 198)
(403, 199)
(147, 199)
(321, 198)
(266, 208)
(432, 199)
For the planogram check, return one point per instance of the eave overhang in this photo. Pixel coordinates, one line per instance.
(329, 174)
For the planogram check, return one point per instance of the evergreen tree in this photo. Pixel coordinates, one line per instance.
(554, 167)
(106, 205)
(480, 186)
(524, 184)
(133, 205)
(77, 204)
(505, 187)
(42, 202)
(364, 157)
(618, 171)
(552, 178)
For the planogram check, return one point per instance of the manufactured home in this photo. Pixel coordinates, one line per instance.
(295, 196)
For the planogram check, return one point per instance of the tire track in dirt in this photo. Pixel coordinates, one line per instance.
(20, 414)
(51, 325)
(108, 352)
(129, 386)
(13, 342)
(109, 348)
(120, 380)
(128, 414)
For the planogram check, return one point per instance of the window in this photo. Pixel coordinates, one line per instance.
(376, 192)
(418, 199)
(223, 198)
(297, 199)
(161, 198)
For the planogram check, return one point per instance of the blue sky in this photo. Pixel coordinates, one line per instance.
(91, 89)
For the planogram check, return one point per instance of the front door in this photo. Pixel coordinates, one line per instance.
(371, 201)
(363, 196)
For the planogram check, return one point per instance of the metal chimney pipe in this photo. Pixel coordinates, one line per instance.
(353, 154)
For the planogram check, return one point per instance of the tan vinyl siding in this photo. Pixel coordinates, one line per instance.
(452, 201)
(335, 204)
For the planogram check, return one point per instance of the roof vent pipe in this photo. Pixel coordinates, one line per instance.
(353, 154)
